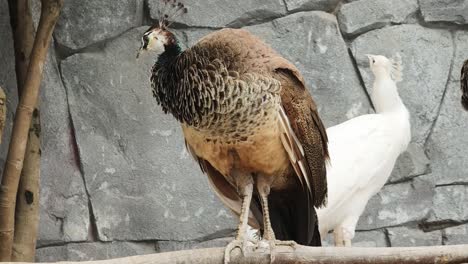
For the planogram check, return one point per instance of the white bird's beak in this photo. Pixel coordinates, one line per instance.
(370, 57)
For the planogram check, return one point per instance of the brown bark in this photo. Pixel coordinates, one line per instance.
(301, 254)
(14, 163)
(27, 200)
(2, 112)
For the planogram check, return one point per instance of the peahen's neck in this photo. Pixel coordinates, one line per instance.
(170, 88)
(169, 55)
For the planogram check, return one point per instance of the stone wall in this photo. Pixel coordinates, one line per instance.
(116, 179)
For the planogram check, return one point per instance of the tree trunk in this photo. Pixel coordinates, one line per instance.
(27, 200)
(302, 254)
(14, 163)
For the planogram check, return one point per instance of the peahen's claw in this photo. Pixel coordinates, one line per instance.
(245, 246)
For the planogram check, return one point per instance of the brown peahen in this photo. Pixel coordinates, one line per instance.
(250, 122)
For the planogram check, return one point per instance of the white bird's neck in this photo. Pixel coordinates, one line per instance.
(385, 95)
(387, 102)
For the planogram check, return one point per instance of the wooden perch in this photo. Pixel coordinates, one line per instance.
(302, 254)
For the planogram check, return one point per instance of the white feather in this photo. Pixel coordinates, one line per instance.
(363, 152)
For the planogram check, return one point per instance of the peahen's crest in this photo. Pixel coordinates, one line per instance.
(168, 11)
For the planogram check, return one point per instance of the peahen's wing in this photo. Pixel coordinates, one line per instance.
(304, 136)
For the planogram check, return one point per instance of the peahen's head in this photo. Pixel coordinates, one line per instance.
(158, 38)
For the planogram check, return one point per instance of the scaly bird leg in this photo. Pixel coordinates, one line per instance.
(348, 234)
(263, 186)
(338, 236)
(241, 240)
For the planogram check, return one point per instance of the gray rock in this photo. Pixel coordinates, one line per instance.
(461, 54)
(426, 55)
(83, 23)
(216, 13)
(411, 163)
(361, 16)
(446, 146)
(64, 212)
(450, 203)
(374, 238)
(456, 235)
(455, 11)
(322, 57)
(411, 237)
(143, 184)
(93, 251)
(165, 246)
(7, 78)
(398, 204)
(193, 35)
(307, 5)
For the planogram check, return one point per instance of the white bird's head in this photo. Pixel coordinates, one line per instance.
(382, 65)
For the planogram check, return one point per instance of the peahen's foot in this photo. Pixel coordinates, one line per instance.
(270, 246)
(246, 246)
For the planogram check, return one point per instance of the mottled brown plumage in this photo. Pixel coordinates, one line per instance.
(248, 120)
(464, 85)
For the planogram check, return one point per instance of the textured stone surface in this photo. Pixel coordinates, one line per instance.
(450, 203)
(216, 13)
(425, 69)
(307, 5)
(411, 163)
(411, 237)
(461, 54)
(322, 57)
(445, 10)
(361, 16)
(93, 251)
(456, 235)
(397, 204)
(142, 182)
(449, 163)
(165, 246)
(64, 212)
(86, 22)
(375, 238)
(369, 239)
(7, 77)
